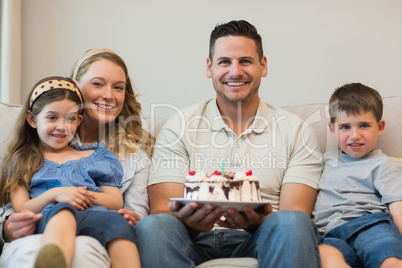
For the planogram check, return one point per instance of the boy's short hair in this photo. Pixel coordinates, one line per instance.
(354, 99)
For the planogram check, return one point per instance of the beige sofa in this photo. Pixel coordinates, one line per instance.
(314, 114)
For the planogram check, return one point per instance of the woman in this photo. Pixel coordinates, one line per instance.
(112, 116)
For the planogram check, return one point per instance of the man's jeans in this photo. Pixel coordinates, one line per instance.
(285, 239)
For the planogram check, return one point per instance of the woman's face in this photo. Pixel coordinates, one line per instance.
(103, 87)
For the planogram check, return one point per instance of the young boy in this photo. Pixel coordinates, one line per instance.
(359, 205)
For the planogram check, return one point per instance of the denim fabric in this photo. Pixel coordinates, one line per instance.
(366, 241)
(101, 225)
(285, 239)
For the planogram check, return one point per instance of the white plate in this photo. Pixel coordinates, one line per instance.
(224, 205)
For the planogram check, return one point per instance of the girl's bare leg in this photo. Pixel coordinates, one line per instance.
(59, 235)
(123, 253)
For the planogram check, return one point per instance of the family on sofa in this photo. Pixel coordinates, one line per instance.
(234, 126)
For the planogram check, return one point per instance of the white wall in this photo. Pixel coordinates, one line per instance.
(312, 46)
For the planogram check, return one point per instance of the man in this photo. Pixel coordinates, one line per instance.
(233, 127)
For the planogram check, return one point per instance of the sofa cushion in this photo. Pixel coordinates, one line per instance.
(230, 262)
(390, 141)
(8, 115)
(317, 116)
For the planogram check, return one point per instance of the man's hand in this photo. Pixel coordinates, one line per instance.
(248, 220)
(196, 219)
(130, 216)
(21, 224)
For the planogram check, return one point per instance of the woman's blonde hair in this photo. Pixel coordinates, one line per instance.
(23, 156)
(125, 134)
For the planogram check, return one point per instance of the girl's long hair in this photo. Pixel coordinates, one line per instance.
(23, 156)
(125, 133)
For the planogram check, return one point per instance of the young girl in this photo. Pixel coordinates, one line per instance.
(76, 189)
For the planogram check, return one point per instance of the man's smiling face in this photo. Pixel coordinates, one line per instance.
(236, 69)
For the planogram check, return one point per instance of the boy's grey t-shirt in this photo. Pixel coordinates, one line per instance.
(353, 187)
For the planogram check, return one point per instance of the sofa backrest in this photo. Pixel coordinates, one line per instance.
(8, 115)
(313, 114)
(317, 115)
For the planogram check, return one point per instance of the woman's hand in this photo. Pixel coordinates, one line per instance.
(21, 224)
(79, 197)
(130, 216)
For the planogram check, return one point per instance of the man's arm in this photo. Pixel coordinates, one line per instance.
(160, 194)
(294, 196)
(297, 196)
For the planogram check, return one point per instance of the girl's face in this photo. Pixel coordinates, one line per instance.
(103, 87)
(56, 124)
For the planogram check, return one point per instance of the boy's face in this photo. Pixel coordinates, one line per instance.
(356, 134)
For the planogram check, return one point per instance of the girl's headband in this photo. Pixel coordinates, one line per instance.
(87, 55)
(54, 84)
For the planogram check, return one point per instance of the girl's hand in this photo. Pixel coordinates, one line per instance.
(130, 216)
(79, 197)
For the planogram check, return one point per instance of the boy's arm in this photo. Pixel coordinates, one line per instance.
(110, 198)
(395, 208)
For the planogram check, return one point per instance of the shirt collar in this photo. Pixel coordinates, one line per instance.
(260, 123)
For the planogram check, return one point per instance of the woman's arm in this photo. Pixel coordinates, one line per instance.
(135, 187)
(20, 224)
(135, 184)
(110, 198)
